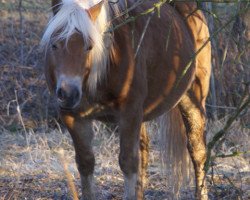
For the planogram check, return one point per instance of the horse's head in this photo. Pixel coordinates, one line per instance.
(68, 66)
(75, 53)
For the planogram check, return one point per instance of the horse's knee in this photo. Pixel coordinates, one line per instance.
(85, 163)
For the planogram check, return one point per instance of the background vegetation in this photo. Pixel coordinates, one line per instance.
(32, 162)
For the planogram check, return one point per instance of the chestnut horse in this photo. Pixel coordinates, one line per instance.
(127, 74)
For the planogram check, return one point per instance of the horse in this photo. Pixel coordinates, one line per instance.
(115, 63)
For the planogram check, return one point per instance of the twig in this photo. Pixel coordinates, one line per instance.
(68, 175)
(143, 33)
(20, 113)
(234, 154)
(221, 107)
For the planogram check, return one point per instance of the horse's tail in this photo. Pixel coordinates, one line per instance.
(174, 153)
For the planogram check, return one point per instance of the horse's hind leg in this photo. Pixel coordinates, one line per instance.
(194, 118)
(82, 135)
(192, 107)
(144, 153)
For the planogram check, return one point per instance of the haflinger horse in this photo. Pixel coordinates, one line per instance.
(101, 65)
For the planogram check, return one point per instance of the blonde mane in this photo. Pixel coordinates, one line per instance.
(73, 17)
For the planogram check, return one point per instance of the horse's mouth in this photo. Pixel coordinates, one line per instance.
(68, 106)
(66, 109)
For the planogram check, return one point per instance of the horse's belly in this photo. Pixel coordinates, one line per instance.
(165, 90)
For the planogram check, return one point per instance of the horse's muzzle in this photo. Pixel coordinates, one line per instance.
(68, 97)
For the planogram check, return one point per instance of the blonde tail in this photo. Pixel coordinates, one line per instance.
(174, 152)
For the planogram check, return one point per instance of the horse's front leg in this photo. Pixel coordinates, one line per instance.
(82, 135)
(129, 126)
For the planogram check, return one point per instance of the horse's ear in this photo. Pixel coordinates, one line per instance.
(56, 5)
(95, 10)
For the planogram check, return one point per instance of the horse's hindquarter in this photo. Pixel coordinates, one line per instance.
(166, 51)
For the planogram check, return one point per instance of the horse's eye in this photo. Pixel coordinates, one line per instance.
(54, 47)
(89, 48)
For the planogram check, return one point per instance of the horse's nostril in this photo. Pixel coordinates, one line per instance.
(68, 97)
(61, 94)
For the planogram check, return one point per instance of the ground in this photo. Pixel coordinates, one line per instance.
(35, 166)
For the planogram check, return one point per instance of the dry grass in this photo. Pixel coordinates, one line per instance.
(31, 166)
